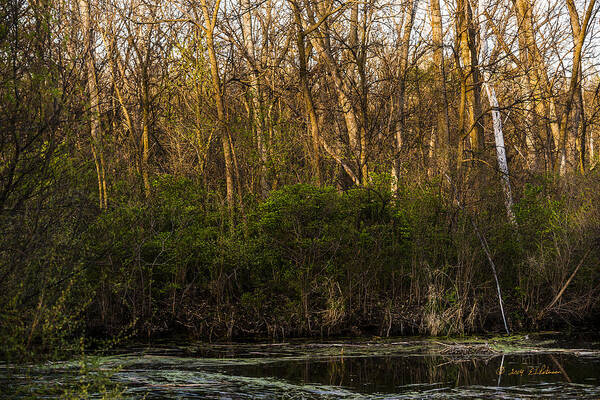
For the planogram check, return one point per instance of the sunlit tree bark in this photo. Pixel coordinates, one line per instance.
(441, 138)
(210, 19)
(574, 82)
(306, 92)
(320, 39)
(542, 93)
(467, 36)
(496, 120)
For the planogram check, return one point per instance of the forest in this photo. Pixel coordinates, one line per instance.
(236, 169)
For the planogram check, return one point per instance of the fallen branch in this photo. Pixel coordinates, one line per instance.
(559, 295)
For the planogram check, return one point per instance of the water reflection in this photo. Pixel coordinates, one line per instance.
(328, 371)
(390, 374)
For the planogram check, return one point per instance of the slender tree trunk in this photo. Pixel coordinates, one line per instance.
(529, 105)
(306, 93)
(573, 84)
(541, 86)
(441, 139)
(462, 105)
(469, 57)
(579, 117)
(94, 97)
(462, 130)
(355, 72)
(528, 83)
(497, 122)
(255, 94)
(340, 83)
(145, 133)
(579, 121)
(401, 75)
(211, 20)
(592, 152)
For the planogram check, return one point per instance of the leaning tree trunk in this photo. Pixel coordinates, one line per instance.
(497, 122)
(320, 41)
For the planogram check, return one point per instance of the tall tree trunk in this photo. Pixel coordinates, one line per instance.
(144, 140)
(211, 19)
(255, 94)
(340, 83)
(579, 125)
(574, 83)
(94, 97)
(355, 71)
(306, 93)
(541, 87)
(468, 52)
(402, 68)
(529, 105)
(497, 122)
(441, 139)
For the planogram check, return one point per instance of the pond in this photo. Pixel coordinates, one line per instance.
(401, 368)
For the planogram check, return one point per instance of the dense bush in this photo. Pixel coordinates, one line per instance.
(311, 261)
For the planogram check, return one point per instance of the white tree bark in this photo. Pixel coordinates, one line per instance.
(497, 120)
(592, 157)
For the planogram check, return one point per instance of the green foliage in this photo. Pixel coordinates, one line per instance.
(162, 244)
(538, 215)
(305, 260)
(94, 381)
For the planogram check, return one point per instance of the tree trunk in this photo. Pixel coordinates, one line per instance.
(441, 139)
(94, 97)
(145, 132)
(574, 83)
(341, 85)
(306, 93)
(255, 94)
(408, 18)
(216, 86)
(468, 52)
(497, 123)
(541, 87)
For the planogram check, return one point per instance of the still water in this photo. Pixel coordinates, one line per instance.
(391, 369)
